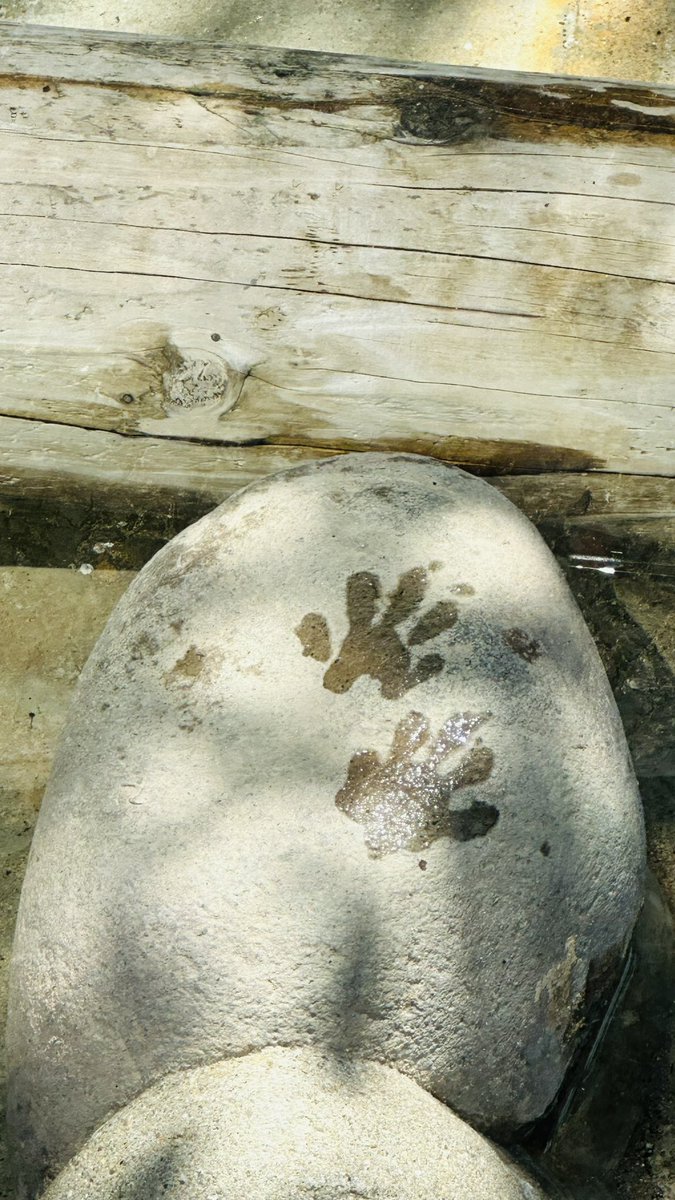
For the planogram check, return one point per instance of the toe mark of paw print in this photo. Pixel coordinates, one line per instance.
(374, 645)
(521, 643)
(403, 801)
(314, 635)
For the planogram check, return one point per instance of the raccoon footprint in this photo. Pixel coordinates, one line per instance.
(403, 801)
(374, 644)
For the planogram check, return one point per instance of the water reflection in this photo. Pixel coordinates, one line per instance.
(620, 1092)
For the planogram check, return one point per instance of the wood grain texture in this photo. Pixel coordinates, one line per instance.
(203, 243)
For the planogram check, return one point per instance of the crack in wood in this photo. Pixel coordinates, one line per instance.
(521, 261)
(569, 334)
(255, 374)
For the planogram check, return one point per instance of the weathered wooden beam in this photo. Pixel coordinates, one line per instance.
(252, 246)
(64, 491)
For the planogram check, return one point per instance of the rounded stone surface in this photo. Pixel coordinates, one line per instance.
(286, 1124)
(344, 770)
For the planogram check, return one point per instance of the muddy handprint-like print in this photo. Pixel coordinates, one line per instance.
(403, 801)
(374, 645)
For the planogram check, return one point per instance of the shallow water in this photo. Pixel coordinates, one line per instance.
(623, 1083)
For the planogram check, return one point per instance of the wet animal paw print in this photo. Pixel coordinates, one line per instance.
(374, 645)
(403, 802)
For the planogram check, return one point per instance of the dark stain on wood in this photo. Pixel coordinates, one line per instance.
(60, 530)
(426, 107)
(493, 457)
(435, 118)
(57, 522)
(621, 497)
(484, 456)
(445, 111)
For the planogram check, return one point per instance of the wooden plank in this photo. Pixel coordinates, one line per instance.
(235, 246)
(220, 69)
(65, 490)
(40, 460)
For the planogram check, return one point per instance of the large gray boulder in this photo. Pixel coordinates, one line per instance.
(344, 770)
(286, 1125)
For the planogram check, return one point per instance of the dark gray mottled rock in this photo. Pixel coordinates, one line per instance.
(287, 1124)
(344, 770)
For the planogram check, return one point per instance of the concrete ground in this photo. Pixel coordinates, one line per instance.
(619, 39)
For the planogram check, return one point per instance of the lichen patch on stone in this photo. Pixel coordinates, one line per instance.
(561, 994)
(189, 667)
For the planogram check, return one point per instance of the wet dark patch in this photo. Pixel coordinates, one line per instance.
(144, 646)
(403, 801)
(447, 111)
(447, 119)
(582, 505)
(189, 667)
(38, 531)
(617, 1098)
(521, 643)
(576, 1007)
(436, 621)
(587, 1008)
(495, 457)
(639, 671)
(45, 526)
(604, 973)
(481, 456)
(561, 995)
(374, 646)
(314, 636)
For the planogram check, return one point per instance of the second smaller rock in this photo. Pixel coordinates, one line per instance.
(284, 1125)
